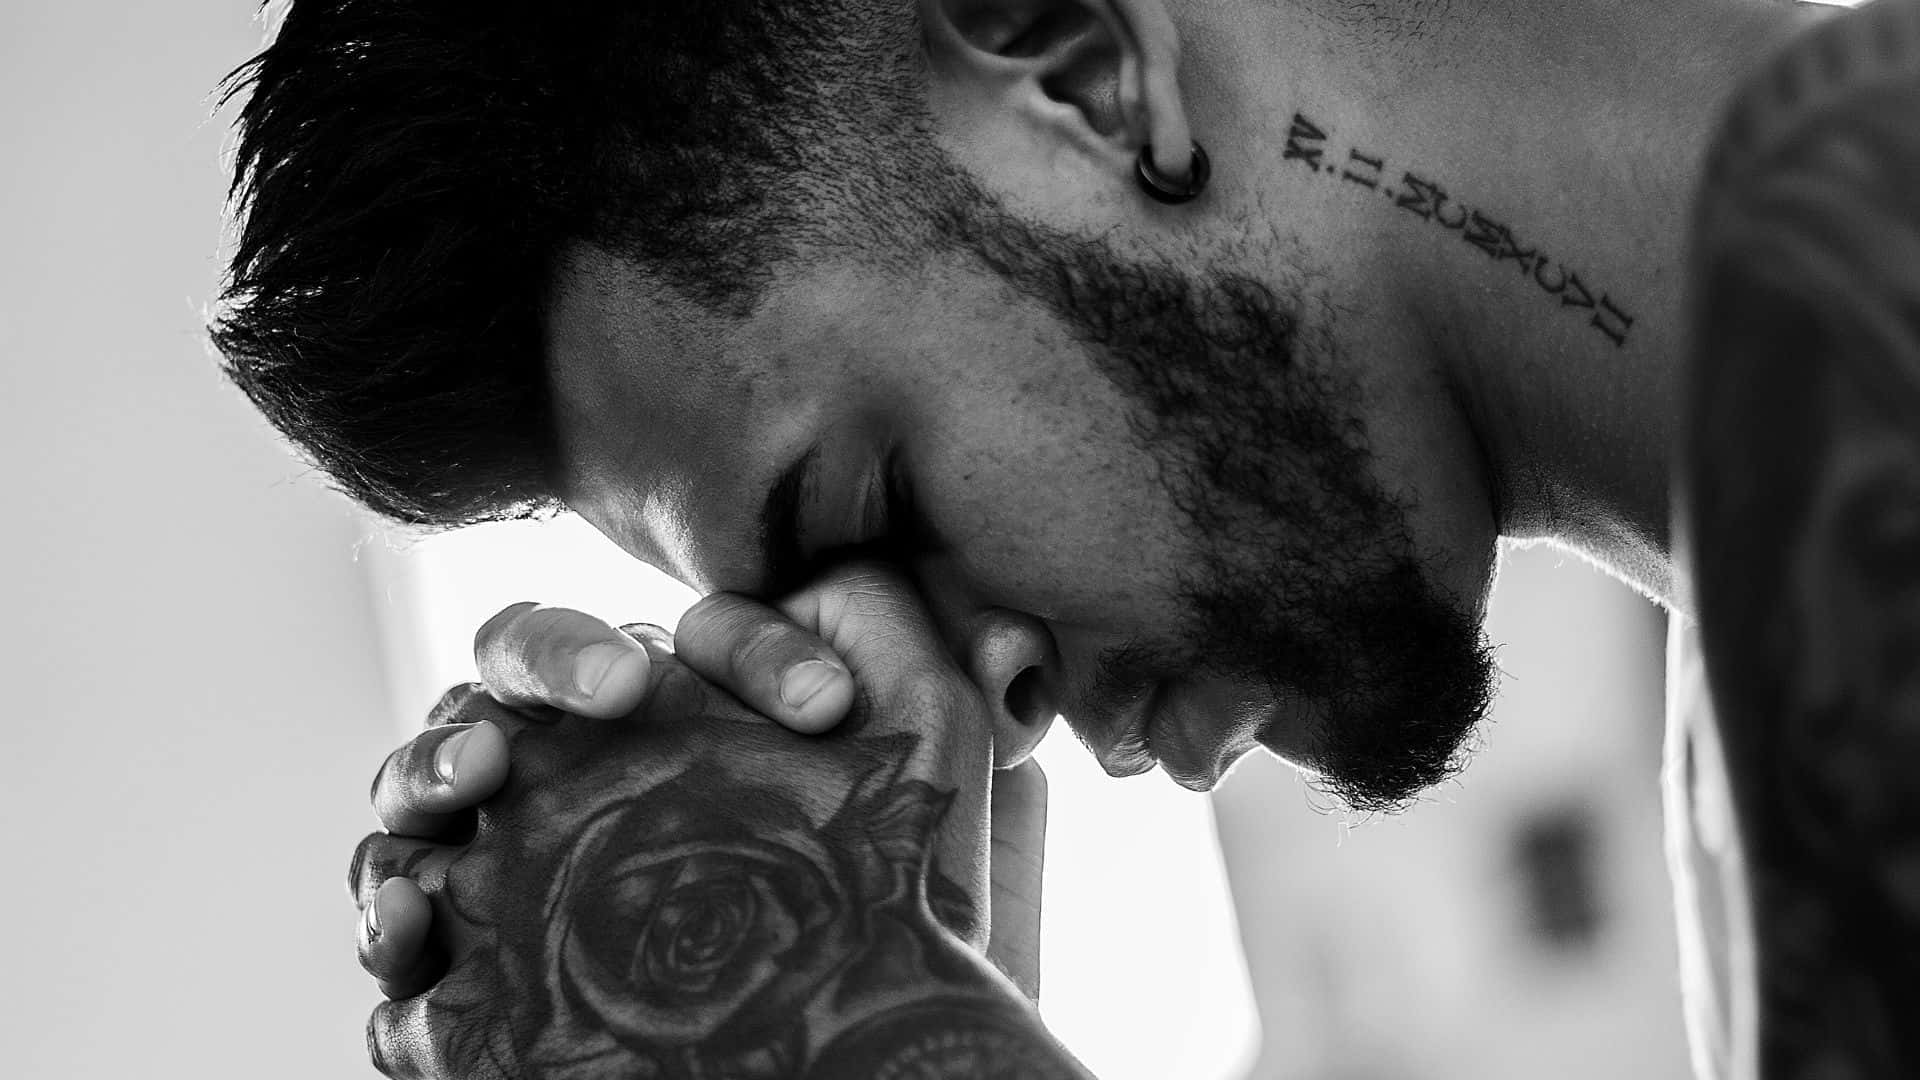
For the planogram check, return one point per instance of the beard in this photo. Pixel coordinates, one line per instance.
(1303, 578)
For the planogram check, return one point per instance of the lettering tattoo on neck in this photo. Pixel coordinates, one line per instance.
(744, 911)
(1309, 144)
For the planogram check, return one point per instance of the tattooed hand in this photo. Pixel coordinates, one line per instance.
(695, 892)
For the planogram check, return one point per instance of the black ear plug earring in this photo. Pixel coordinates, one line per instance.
(1164, 189)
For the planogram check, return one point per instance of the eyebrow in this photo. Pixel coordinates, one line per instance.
(780, 547)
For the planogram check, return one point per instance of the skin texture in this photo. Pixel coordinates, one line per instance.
(1421, 321)
(1239, 438)
(1224, 475)
(1804, 472)
(693, 891)
(687, 915)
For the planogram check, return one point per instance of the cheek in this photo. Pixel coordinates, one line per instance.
(1024, 462)
(1060, 517)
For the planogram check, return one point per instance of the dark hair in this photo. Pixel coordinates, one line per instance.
(409, 171)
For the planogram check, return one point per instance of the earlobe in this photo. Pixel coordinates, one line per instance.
(1099, 73)
(1167, 189)
(1157, 82)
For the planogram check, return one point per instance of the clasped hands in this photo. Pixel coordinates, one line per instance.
(503, 793)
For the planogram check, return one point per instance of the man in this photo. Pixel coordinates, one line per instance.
(760, 289)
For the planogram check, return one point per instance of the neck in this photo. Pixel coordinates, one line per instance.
(1577, 408)
(1548, 282)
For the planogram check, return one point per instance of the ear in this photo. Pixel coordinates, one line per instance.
(1028, 89)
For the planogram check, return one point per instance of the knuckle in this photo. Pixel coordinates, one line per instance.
(761, 644)
(722, 623)
(716, 621)
(542, 636)
(851, 596)
(495, 631)
(383, 1039)
(402, 1041)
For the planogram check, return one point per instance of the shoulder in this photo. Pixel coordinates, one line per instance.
(1802, 457)
(1801, 493)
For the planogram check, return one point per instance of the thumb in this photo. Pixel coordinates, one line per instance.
(1019, 856)
(909, 685)
(872, 617)
(531, 655)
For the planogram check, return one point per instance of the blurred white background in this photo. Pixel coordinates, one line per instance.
(207, 655)
(196, 697)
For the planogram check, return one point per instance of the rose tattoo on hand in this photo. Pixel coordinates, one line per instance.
(713, 898)
(680, 936)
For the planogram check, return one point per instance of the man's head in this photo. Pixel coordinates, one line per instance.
(412, 173)
(755, 285)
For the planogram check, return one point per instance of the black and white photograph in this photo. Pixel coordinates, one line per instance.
(946, 539)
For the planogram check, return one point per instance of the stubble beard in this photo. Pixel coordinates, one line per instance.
(1304, 577)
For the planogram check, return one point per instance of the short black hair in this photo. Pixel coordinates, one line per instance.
(408, 173)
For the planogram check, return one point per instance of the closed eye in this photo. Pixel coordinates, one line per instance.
(894, 532)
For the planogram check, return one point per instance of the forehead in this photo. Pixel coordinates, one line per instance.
(656, 399)
(673, 420)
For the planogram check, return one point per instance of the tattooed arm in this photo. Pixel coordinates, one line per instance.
(697, 893)
(1802, 496)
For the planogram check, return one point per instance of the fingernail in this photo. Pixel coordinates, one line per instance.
(446, 758)
(598, 661)
(804, 680)
(373, 920)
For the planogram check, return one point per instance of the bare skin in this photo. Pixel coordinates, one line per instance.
(1573, 447)
(701, 892)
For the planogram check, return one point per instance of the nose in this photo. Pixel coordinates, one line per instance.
(1012, 658)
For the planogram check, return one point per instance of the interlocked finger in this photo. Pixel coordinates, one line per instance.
(396, 944)
(403, 1042)
(761, 657)
(533, 655)
(430, 785)
(382, 856)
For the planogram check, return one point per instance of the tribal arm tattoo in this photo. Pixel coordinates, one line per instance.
(698, 894)
(1801, 483)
